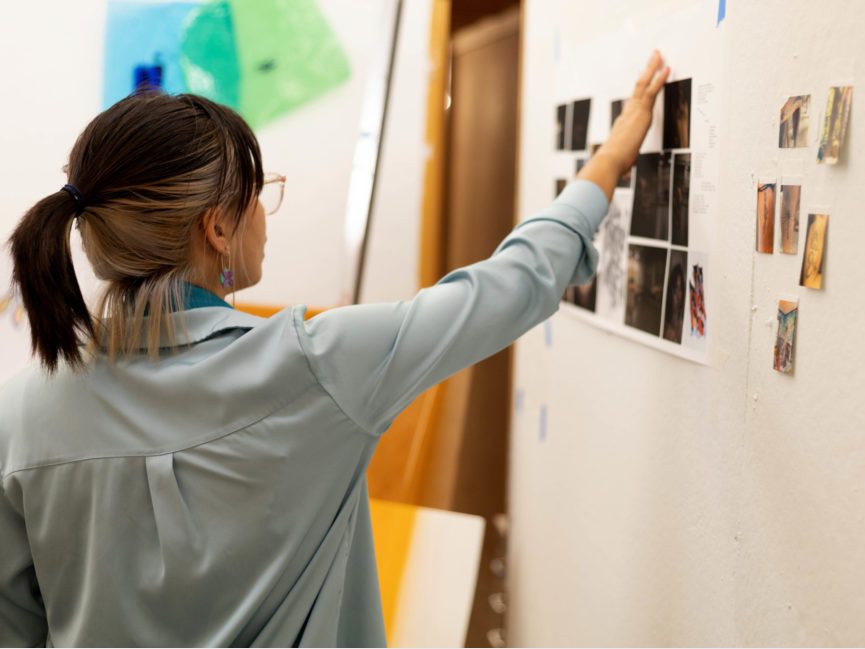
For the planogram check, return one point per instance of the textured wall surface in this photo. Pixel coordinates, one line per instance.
(670, 503)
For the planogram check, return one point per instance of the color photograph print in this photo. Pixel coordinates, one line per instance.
(835, 124)
(814, 259)
(677, 115)
(766, 218)
(790, 202)
(650, 216)
(647, 266)
(794, 122)
(612, 261)
(788, 314)
(674, 299)
(696, 330)
(681, 198)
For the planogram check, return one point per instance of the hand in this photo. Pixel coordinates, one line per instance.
(619, 152)
(631, 127)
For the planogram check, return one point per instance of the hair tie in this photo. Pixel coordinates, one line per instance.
(79, 199)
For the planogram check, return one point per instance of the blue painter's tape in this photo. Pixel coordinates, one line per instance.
(722, 11)
(548, 333)
(542, 424)
(518, 400)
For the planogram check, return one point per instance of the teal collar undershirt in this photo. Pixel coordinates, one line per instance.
(199, 298)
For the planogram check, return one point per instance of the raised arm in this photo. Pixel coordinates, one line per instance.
(374, 359)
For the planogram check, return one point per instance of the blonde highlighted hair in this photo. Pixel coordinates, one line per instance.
(147, 170)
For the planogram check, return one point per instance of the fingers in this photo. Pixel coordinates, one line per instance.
(655, 63)
(658, 83)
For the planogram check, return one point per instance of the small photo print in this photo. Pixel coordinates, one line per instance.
(616, 108)
(584, 296)
(790, 200)
(650, 215)
(580, 124)
(766, 217)
(788, 314)
(677, 115)
(561, 183)
(835, 124)
(794, 122)
(815, 251)
(561, 119)
(645, 292)
(612, 260)
(681, 198)
(677, 290)
(697, 302)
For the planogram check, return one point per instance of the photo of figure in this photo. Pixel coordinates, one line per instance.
(561, 120)
(677, 114)
(815, 251)
(766, 218)
(616, 110)
(697, 303)
(650, 216)
(580, 124)
(788, 314)
(674, 304)
(645, 292)
(835, 124)
(680, 198)
(790, 200)
(794, 122)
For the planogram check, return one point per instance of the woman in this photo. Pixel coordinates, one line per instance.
(179, 473)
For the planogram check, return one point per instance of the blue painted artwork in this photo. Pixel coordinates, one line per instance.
(142, 45)
(264, 58)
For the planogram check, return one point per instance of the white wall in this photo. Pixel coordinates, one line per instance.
(675, 504)
(53, 87)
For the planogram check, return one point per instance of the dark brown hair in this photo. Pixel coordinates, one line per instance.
(147, 169)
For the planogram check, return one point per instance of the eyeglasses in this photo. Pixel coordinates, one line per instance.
(271, 192)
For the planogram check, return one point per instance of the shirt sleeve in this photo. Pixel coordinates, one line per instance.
(375, 359)
(22, 615)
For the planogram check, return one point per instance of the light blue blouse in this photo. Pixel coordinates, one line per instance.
(217, 497)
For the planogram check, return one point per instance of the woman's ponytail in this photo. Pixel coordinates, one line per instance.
(45, 277)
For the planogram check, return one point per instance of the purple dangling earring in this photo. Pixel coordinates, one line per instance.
(226, 275)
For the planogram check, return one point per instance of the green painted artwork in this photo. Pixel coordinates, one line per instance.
(264, 58)
(208, 54)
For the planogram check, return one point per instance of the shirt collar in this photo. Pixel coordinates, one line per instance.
(196, 297)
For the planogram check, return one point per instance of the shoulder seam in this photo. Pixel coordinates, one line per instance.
(318, 380)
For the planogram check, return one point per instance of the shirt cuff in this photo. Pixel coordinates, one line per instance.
(587, 198)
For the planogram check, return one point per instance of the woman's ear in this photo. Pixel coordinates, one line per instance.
(215, 232)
